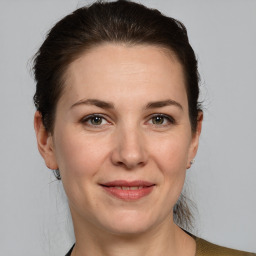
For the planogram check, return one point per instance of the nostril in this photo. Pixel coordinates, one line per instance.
(130, 165)
(129, 152)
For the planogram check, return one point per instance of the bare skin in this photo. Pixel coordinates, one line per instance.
(123, 116)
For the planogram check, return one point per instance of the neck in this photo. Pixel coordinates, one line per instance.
(165, 239)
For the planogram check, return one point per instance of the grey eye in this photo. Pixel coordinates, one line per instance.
(161, 120)
(158, 120)
(96, 120)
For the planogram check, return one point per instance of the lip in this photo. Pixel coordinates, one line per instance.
(128, 190)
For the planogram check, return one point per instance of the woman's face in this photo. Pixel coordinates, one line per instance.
(122, 138)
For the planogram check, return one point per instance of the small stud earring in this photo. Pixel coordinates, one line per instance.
(192, 161)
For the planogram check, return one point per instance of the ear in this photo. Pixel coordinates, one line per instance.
(44, 142)
(195, 139)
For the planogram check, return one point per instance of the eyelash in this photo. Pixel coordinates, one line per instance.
(90, 117)
(170, 120)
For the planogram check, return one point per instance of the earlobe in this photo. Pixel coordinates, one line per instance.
(44, 142)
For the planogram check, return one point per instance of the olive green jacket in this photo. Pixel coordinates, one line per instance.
(204, 248)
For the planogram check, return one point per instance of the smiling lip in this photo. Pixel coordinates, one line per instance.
(128, 190)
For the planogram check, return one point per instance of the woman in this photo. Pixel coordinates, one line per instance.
(118, 119)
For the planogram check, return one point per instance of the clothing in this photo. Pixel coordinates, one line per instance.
(204, 248)
(70, 251)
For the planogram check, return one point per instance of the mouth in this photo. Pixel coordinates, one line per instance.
(128, 190)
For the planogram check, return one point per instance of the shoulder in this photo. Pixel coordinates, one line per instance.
(205, 248)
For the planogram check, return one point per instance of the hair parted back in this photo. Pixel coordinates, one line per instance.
(122, 22)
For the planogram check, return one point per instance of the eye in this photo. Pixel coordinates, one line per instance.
(94, 120)
(161, 120)
(158, 120)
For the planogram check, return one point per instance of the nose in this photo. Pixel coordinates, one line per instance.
(129, 149)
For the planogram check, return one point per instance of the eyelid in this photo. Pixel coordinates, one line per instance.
(88, 117)
(170, 119)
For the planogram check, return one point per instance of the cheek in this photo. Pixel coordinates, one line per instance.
(171, 153)
(78, 155)
(171, 158)
(79, 159)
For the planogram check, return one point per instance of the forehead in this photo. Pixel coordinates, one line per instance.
(116, 71)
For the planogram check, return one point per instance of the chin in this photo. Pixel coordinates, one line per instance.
(129, 230)
(129, 224)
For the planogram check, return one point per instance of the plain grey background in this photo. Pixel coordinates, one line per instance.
(34, 216)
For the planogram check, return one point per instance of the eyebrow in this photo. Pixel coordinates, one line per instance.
(95, 102)
(164, 103)
(109, 105)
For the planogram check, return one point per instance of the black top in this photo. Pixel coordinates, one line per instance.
(69, 253)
